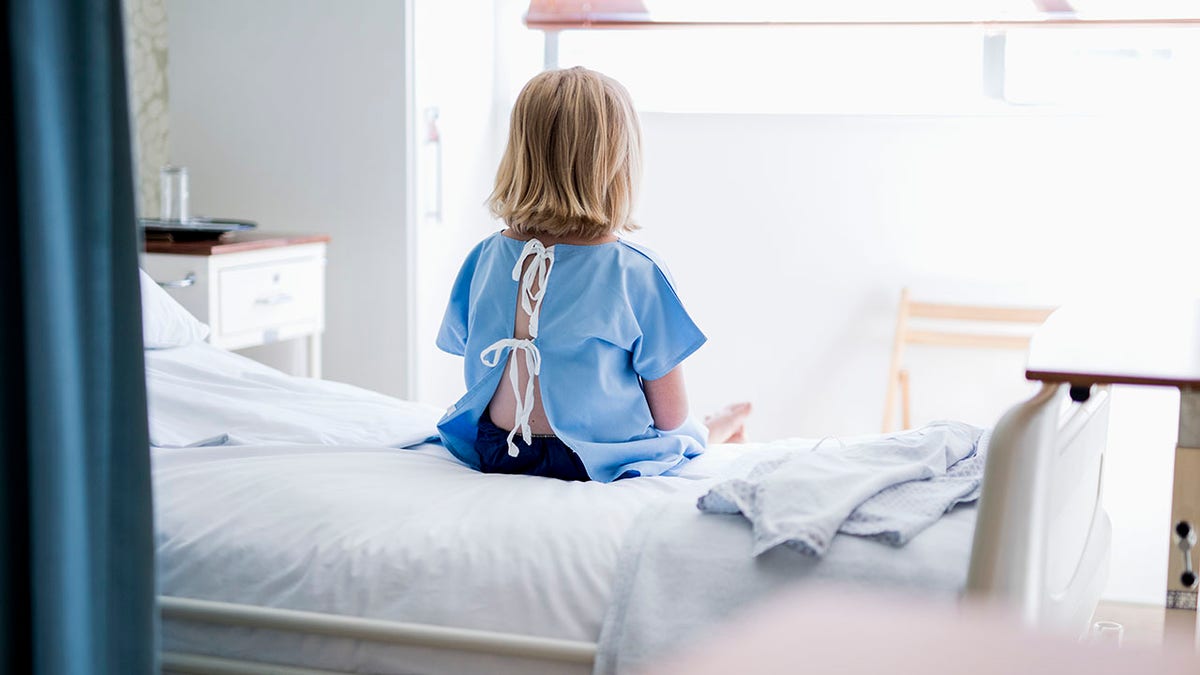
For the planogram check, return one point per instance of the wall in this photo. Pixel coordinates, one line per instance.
(791, 237)
(293, 113)
(452, 53)
(807, 227)
(146, 61)
(470, 67)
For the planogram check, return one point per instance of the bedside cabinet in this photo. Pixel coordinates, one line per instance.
(251, 289)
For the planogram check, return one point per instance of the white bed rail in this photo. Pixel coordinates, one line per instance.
(1041, 538)
(198, 664)
(356, 628)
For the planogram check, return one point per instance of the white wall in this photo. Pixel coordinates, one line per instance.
(455, 77)
(293, 113)
(791, 237)
(797, 233)
(469, 66)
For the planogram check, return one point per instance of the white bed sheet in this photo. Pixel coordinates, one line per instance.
(311, 506)
(405, 535)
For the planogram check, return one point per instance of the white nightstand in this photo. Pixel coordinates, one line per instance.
(253, 289)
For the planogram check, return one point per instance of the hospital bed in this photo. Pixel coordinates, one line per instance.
(297, 533)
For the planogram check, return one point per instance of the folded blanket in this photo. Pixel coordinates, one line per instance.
(889, 488)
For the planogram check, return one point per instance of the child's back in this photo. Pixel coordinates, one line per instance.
(569, 334)
(608, 320)
(534, 274)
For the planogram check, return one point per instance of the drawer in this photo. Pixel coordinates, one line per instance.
(269, 295)
(188, 279)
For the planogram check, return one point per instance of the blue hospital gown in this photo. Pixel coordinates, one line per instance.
(609, 318)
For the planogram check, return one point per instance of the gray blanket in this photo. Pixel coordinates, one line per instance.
(683, 573)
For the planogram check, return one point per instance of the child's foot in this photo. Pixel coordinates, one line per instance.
(728, 425)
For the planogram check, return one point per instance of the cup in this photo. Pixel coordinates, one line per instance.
(1107, 633)
(174, 185)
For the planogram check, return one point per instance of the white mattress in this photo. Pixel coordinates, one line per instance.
(331, 520)
(407, 535)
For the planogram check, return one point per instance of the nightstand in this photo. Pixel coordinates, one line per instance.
(251, 289)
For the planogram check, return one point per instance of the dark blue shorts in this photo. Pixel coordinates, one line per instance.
(545, 456)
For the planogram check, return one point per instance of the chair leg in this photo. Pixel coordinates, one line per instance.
(905, 399)
(894, 370)
(889, 403)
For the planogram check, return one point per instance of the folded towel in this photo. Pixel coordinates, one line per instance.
(888, 488)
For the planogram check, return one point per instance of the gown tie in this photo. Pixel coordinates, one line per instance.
(531, 303)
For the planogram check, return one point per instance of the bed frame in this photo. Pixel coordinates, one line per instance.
(1042, 537)
(1041, 546)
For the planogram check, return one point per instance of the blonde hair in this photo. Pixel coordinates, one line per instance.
(573, 160)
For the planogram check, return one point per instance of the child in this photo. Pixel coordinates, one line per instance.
(587, 326)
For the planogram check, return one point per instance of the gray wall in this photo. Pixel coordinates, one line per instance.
(293, 113)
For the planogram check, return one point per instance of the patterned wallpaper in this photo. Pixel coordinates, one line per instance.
(146, 53)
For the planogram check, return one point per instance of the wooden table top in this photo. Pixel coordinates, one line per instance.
(1153, 342)
(234, 242)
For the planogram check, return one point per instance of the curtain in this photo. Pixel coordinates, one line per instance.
(76, 532)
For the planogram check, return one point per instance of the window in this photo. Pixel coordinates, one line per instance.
(787, 69)
(1155, 68)
(700, 56)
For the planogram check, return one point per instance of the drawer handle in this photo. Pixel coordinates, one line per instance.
(189, 280)
(277, 299)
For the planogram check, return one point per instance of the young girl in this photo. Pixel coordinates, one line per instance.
(587, 326)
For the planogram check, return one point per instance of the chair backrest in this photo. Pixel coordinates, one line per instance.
(944, 335)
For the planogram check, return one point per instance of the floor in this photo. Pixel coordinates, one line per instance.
(1149, 625)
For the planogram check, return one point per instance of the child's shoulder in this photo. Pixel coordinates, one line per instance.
(489, 245)
(645, 260)
(640, 251)
(491, 241)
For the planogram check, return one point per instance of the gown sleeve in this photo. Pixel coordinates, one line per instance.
(668, 334)
(452, 336)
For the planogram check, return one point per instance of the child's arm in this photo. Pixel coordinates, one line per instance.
(668, 399)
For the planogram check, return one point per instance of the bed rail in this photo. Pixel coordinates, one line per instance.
(1041, 537)
(356, 628)
(196, 664)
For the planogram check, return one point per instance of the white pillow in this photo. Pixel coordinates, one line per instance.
(204, 395)
(165, 323)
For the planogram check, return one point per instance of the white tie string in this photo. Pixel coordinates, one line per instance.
(539, 271)
(531, 302)
(533, 364)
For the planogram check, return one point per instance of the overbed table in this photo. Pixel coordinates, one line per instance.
(1153, 343)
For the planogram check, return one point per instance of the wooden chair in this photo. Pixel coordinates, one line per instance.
(898, 376)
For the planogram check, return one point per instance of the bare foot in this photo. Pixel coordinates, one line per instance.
(728, 425)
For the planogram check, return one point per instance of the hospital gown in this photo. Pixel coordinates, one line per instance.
(602, 319)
